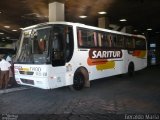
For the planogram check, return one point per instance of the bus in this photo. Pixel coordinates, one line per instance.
(8, 46)
(57, 54)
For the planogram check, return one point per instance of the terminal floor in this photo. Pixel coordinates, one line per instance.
(114, 95)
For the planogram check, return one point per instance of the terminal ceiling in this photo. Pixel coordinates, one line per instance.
(141, 14)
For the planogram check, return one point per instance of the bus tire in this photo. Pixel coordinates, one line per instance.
(79, 81)
(131, 71)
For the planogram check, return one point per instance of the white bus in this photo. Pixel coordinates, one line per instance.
(57, 54)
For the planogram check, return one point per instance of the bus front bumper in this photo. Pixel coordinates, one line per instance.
(37, 82)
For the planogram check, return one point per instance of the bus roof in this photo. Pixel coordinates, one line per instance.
(84, 26)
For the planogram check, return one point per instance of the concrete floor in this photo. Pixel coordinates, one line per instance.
(108, 98)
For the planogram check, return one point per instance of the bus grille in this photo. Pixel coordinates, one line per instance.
(31, 82)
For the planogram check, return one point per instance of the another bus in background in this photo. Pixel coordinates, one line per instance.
(8, 46)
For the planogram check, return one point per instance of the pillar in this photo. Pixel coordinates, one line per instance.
(103, 22)
(56, 12)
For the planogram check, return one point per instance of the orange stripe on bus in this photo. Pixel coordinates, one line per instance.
(96, 61)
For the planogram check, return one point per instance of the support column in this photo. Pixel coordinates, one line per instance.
(103, 22)
(56, 12)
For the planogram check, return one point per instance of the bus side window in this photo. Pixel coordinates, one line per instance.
(99, 40)
(91, 38)
(112, 40)
(95, 39)
(82, 38)
(102, 40)
(129, 43)
(87, 38)
(140, 44)
(108, 39)
(80, 41)
(120, 41)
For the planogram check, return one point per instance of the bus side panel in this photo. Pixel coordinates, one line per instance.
(56, 77)
(113, 66)
(139, 62)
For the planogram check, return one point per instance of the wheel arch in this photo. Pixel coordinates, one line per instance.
(85, 73)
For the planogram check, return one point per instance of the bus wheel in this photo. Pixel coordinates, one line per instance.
(131, 70)
(78, 82)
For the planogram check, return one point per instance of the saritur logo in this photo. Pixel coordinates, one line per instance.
(104, 54)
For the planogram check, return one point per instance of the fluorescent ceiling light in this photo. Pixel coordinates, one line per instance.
(7, 26)
(0, 12)
(149, 29)
(122, 20)
(102, 12)
(14, 30)
(82, 16)
(1, 33)
(8, 37)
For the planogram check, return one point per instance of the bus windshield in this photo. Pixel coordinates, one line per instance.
(34, 46)
(38, 43)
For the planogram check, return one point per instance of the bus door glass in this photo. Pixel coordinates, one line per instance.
(62, 44)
